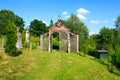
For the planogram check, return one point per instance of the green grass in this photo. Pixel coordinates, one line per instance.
(41, 65)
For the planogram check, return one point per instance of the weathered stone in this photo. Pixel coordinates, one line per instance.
(19, 41)
(27, 35)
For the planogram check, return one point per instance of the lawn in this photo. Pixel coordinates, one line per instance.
(40, 65)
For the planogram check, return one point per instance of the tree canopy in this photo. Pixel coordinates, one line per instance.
(78, 27)
(6, 17)
(37, 27)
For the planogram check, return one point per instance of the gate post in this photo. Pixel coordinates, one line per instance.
(77, 43)
(41, 42)
(50, 42)
(68, 42)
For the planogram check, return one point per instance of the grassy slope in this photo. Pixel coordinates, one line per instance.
(39, 65)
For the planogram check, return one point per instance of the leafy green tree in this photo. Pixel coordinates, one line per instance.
(92, 43)
(79, 28)
(11, 39)
(7, 16)
(117, 32)
(115, 57)
(19, 23)
(105, 39)
(37, 27)
(51, 23)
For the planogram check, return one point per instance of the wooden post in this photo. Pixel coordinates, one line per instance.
(68, 43)
(50, 42)
(77, 43)
(41, 42)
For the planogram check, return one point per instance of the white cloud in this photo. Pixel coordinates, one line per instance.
(114, 19)
(81, 17)
(94, 21)
(64, 13)
(91, 33)
(105, 21)
(44, 22)
(68, 16)
(83, 11)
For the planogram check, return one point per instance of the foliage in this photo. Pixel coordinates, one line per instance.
(117, 31)
(35, 42)
(105, 38)
(37, 27)
(115, 58)
(6, 17)
(55, 43)
(26, 44)
(78, 27)
(11, 39)
(93, 52)
(51, 23)
(19, 23)
(113, 69)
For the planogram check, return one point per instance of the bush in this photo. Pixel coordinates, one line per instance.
(10, 46)
(93, 52)
(11, 39)
(35, 41)
(113, 69)
(26, 45)
(115, 59)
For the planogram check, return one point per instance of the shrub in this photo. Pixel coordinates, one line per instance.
(11, 39)
(113, 69)
(93, 52)
(26, 44)
(35, 41)
(115, 57)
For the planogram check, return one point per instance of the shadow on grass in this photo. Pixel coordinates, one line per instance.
(15, 54)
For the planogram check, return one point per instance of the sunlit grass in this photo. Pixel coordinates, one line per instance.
(41, 65)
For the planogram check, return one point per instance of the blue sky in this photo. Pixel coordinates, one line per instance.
(94, 13)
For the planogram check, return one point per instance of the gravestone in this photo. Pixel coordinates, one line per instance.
(2, 45)
(30, 46)
(27, 35)
(19, 41)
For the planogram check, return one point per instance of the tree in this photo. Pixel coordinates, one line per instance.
(51, 23)
(115, 57)
(6, 17)
(78, 27)
(11, 39)
(37, 27)
(117, 32)
(92, 43)
(19, 23)
(105, 39)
